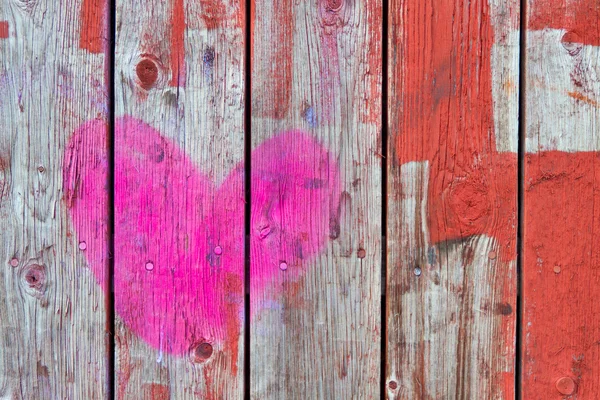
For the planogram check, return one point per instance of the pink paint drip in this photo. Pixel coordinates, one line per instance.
(169, 214)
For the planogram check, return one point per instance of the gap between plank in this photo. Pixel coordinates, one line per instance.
(384, 164)
(247, 191)
(520, 199)
(110, 307)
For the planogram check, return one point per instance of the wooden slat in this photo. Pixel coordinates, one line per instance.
(179, 201)
(452, 188)
(561, 279)
(315, 260)
(53, 311)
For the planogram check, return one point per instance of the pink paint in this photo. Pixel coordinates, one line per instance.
(168, 212)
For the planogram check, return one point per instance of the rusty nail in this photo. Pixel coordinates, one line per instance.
(492, 255)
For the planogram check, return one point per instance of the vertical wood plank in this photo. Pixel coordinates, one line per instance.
(53, 310)
(452, 187)
(561, 193)
(179, 200)
(315, 234)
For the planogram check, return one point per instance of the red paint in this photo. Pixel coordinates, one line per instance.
(447, 119)
(561, 225)
(93, 36)
(213, 13)
(3, 29)
(156, 391)
(441, 112)
(178, 26)
(371, 107)
(271, 59)
(579, 17)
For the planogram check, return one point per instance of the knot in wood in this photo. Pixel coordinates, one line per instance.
(147, 73)
(34, 276)
(202, 352)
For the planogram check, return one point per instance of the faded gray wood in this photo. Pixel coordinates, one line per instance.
(315, 326)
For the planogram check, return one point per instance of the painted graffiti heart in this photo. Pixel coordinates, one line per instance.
(179, 240)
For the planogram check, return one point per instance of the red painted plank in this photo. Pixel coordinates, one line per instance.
(452, 203)
(561, 260)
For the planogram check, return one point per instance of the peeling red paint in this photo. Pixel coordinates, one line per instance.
(156, 391)
(3, 29)
(178, 73)
(271, 60)
(213, 13)
(93, 37)
(580, 18)
(447, 97)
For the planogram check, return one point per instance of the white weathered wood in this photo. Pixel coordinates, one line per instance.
(315, 328)
(53, 315)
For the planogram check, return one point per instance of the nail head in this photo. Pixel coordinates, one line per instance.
(557, 269)
(565, 385)
(218, 250)
(283, 265)
(149, 266)
(492, 255)
(361, 253)
(14, 262)
(417, 271)
(82, 245)
(393, 385)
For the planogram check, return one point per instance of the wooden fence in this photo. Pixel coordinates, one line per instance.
(308, 199)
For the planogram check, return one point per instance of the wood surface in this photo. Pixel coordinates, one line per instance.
(561, 191)
(452, 199)
(168, 174)
(53, 312)
(315, 233)
(179, 200)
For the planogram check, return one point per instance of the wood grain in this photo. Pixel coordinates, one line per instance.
(316, 224)
(180, 142)
(53, 313)
(561, 192)
(452, 186)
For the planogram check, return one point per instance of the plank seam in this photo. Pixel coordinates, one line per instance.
(247, 190)
(384, 190)
(520, 195)
(112, 11)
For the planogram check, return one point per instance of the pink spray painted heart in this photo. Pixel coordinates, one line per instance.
(179, 240)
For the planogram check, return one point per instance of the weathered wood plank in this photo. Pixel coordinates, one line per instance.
(561, 329)
(53, 313)
(179, 200)
(315, 259)
(452, 186)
